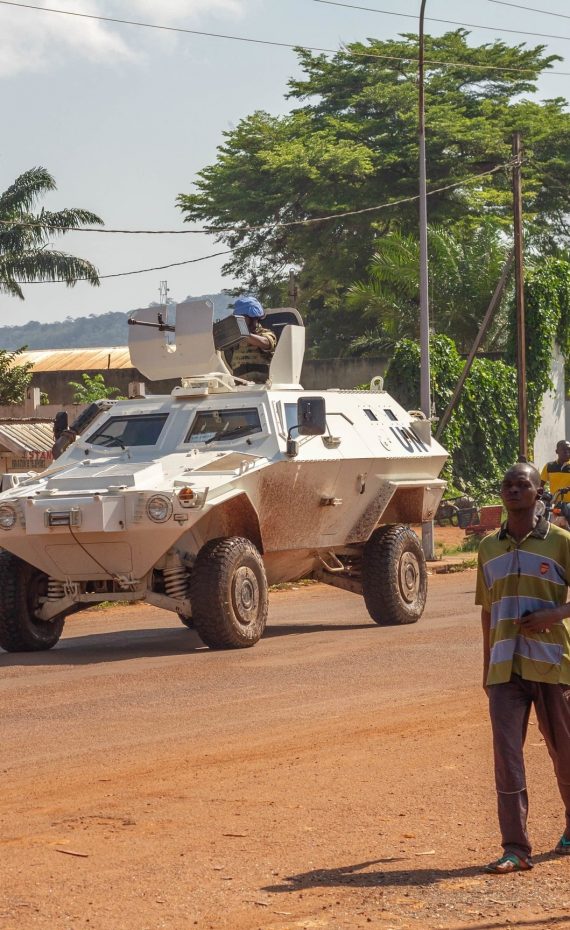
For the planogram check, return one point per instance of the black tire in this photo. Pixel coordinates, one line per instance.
(228, 593)
(21, 586)
(394, 576)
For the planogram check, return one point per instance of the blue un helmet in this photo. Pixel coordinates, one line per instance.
(250, 307)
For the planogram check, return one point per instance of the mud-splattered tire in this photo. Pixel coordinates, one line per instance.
(21, 586)
(394, 576)
(228, 593)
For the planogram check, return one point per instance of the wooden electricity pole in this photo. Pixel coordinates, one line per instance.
(519, 293)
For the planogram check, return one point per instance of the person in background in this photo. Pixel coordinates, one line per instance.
(557, 474)
(252, 357)
(522, 586)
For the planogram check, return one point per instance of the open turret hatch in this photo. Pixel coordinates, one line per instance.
(186, 349)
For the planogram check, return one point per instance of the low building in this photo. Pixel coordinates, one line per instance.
(25, 444)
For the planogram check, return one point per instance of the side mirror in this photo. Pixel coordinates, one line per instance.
(311, 416)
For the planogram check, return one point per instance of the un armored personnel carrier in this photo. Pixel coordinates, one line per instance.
(198, 500)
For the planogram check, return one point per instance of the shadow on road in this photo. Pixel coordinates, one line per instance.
(147, 643)
(354, 876)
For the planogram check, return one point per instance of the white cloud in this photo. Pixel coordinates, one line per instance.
(35, 41)
(181, 11)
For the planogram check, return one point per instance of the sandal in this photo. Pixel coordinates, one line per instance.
(563, 847)
(510, 862)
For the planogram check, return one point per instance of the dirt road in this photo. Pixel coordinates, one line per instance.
(338, 775)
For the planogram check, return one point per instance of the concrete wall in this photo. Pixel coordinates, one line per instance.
(317, 374)
(553, 424)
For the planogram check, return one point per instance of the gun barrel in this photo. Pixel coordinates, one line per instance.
(163, 327)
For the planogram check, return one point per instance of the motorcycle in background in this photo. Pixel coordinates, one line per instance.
(556, 510)
(457, 511)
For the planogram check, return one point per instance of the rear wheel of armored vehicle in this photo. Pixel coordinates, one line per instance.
(228, 593)
(21, 587)
(394, 576)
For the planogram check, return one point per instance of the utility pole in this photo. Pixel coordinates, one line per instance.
(293, 290)
(519, 292)
(425, 392)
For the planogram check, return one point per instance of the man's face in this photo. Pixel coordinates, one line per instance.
(518, 491)
(563, 452)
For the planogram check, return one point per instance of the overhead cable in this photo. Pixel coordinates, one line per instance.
(124, 274)
(530, 9)
(214, 230)
(321, 219)
(448, 22)
(295, 46)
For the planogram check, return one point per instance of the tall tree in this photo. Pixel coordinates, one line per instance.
(25, 253)
(350, 143)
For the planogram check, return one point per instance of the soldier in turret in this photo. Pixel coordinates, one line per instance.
(252, 357)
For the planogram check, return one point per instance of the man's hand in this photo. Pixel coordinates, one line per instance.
(540, 621)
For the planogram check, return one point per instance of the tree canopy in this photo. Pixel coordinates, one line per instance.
(350, 143)
(25, 253)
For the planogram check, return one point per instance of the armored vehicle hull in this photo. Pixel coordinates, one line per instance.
(197, 501)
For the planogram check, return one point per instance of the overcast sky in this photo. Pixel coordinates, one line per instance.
(123, 117)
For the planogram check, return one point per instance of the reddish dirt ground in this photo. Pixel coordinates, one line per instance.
(338, 775)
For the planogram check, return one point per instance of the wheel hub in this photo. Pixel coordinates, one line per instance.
(245, 591)
(409, 577)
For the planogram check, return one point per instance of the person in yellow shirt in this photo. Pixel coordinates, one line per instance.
(557, 474)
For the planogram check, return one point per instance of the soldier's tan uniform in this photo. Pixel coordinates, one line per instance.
(251, 363)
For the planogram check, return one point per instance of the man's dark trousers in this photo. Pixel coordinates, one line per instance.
(509, 705)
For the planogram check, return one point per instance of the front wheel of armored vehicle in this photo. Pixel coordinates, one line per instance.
(21, 587)
(394, 576)
(228, 593)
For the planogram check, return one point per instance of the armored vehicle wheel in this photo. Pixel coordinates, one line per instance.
(21, 586)
(394, 577)
(228, 593)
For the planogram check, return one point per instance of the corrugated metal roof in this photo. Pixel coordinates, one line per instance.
(76, 359)
(26, 435)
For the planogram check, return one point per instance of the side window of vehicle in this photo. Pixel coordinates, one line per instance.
(223, 425)
(142, 430)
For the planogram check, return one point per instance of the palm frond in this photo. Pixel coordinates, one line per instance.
(23, 193)
(46, 265)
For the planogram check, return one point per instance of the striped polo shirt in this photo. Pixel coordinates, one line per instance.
(518, 578)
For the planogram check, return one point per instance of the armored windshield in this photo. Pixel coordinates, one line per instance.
(222, 425)
(141, 430)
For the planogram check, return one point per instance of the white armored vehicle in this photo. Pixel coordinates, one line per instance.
(198, 500)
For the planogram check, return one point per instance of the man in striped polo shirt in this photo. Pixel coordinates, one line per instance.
(522, 585)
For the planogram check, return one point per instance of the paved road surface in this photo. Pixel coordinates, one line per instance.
(338, 775)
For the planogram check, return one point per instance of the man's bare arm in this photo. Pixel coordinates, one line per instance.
(260, 342)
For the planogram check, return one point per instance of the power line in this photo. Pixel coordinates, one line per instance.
(322, 219)
(530, 9)
(448, 22)
(294, 46)
(124, 274)
(469, 179)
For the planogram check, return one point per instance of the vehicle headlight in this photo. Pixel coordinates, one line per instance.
(8, 517)
(159, 508)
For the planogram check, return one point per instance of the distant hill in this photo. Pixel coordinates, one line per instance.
(106, 329)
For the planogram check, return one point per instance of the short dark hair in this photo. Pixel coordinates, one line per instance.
(533, 472)
(562, 442)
